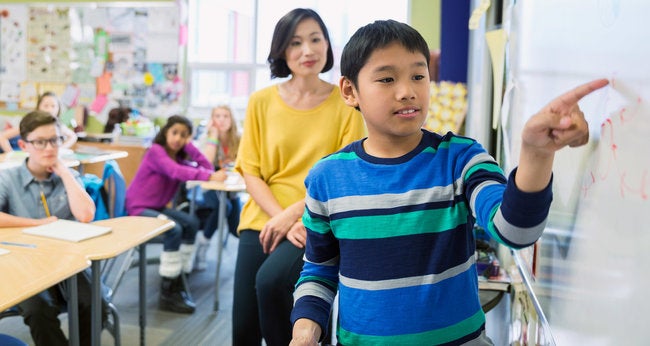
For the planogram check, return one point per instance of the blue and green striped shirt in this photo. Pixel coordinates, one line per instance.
(394, 237)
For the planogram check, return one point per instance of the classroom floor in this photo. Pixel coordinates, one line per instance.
(204, 327)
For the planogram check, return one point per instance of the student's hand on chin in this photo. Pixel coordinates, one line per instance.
(57, 167)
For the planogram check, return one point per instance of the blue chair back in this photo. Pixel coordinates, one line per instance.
(115, 185)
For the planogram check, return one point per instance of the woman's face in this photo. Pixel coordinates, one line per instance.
(307, 50)
(49, 104)
(222, 119)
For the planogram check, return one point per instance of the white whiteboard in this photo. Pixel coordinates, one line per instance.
(592, 269)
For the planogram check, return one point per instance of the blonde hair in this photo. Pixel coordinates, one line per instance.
(233, 133)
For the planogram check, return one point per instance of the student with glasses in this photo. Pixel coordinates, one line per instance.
(22, 190)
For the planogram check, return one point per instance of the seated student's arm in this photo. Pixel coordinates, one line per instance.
(5, 136)
(70, 137)
(8, 220)
(558, 124)
(81, 205)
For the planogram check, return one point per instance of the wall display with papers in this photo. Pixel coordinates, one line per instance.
(103, 56)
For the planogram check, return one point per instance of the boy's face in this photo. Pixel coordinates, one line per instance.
(46, 156)
(307, 50)
(392, 92)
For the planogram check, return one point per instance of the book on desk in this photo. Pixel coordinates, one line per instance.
(68, 230)
(500, 282)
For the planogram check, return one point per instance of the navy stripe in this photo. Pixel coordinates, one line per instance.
(413, 255)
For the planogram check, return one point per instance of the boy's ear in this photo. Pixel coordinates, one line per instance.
(348, 92)
(21, 144)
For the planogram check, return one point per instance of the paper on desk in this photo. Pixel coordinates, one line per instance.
(68, 230)
(4, 251)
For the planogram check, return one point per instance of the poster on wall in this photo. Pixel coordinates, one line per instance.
(48, 47)
(13, 40)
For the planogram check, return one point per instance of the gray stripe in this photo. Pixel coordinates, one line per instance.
(407, 282)
(381, 201)
(480, 158)
(313, 289)
(329, 263)
(477, 190)
(517, 235)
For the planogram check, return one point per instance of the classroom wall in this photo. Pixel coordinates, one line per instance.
(425, 17)
(135, 69)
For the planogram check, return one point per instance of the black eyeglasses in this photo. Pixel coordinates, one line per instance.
(40, 144)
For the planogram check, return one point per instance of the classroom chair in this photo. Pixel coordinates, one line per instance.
(8, 340)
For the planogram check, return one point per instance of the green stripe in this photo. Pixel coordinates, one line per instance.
(316, 225)
(433, 337)
(491, 230)
(394, 225)
(312, 278)
(490, 167)
(341, 156)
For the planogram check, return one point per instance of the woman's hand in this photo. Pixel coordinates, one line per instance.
(297, 235)
(275, 230)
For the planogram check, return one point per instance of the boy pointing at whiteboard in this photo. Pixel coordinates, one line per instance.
(389, 218)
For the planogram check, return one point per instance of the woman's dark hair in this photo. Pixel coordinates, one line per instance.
(161, 136)
(282, 36)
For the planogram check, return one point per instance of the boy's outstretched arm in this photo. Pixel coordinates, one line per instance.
(558, 124)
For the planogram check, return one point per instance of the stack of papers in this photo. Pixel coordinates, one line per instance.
(68, 230)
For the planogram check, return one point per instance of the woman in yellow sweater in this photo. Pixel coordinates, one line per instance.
(288, 127)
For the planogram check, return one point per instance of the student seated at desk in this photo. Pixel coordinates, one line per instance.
(219, 144)
(171, 160)
(40, 191)
(47, 102)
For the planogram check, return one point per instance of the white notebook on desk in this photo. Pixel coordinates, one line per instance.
(68, 230)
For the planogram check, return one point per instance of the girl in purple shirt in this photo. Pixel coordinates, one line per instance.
(171, 160)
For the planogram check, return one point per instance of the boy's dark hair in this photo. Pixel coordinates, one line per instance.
(46, 94)
(375, 36)
(161, 136)
(34, 120)
(282, 36)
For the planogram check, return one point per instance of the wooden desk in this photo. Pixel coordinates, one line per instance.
(127, 232)
(27, 271)
(128, 165)
(234, 183)
(87, 155)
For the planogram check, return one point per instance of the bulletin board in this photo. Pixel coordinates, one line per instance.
(102, 56)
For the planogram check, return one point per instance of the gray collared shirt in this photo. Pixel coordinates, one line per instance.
(20, 194)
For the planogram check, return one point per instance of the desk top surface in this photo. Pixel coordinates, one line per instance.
(26, 271)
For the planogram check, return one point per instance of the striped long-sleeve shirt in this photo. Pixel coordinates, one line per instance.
(394, 237)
